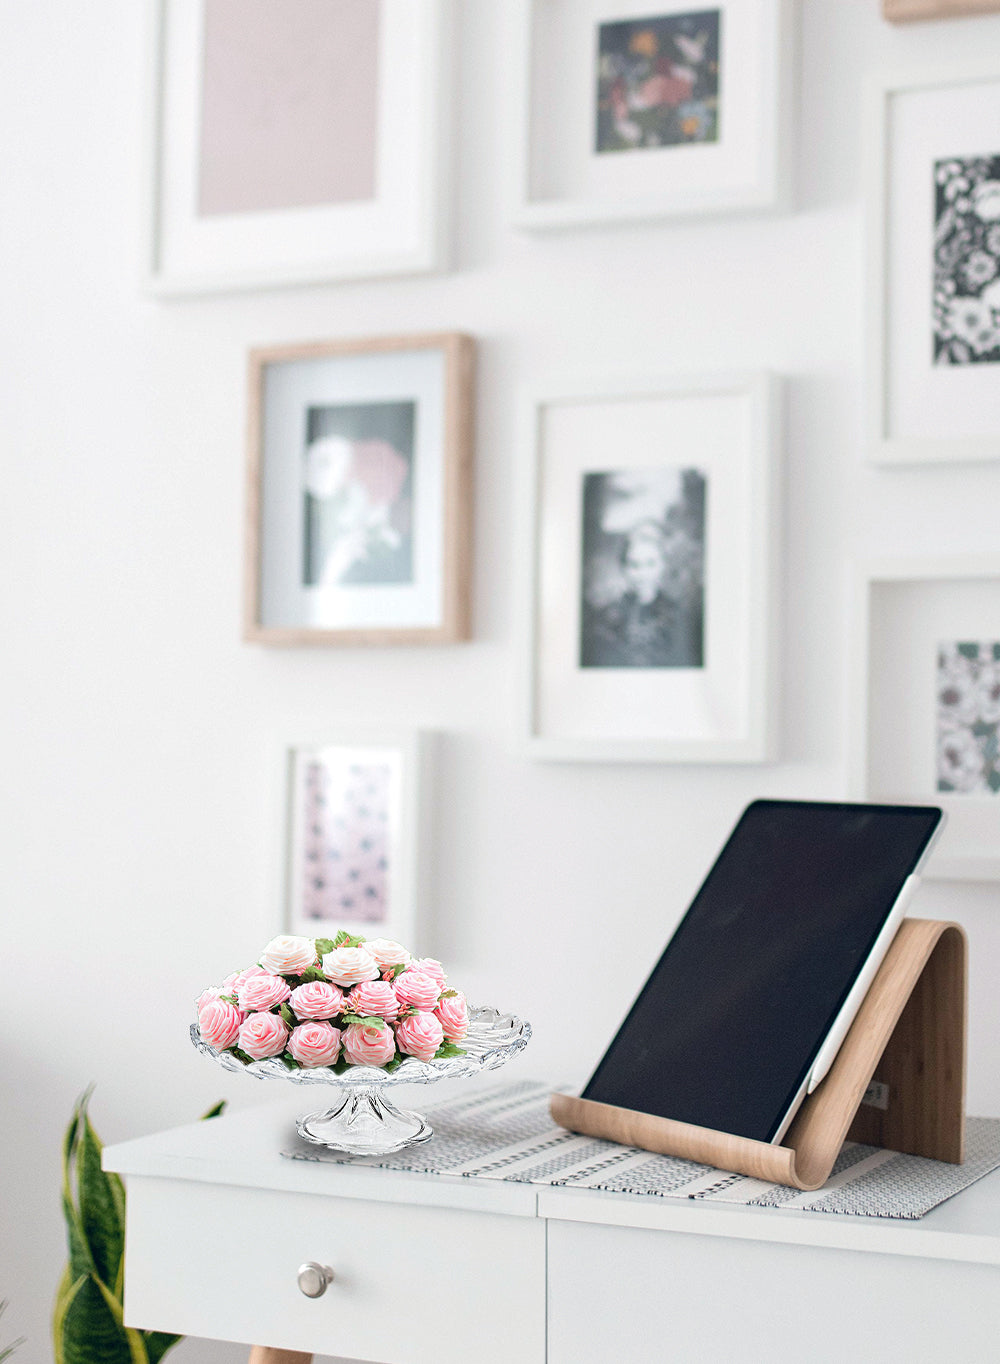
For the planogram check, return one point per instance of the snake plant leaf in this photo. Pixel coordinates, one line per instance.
(80, 1260)
(86, 1331)
(158, 1343)
(99, 1206)
(133, 1339)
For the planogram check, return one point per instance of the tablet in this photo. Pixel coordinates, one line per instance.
(762, 976)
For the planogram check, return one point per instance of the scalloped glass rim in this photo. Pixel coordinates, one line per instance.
(493, 1038)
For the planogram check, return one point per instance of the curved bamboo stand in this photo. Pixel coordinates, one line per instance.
(909, 1035)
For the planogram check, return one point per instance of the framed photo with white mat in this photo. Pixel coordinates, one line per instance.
(925, 700)
(353, 855)
(933, 194)
(359, 89)
(650, 581)
(625, 111)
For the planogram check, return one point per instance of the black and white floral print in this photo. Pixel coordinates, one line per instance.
(967, 260)
(968, 717)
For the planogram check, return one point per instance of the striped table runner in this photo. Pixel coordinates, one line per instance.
(507, 1133)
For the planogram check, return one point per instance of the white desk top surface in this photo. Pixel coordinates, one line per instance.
(245, 1149)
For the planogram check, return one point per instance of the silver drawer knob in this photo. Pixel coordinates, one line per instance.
(314, 1279)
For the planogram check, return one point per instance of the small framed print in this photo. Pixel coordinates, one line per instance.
(631, 110)
(651, 580)
(356, 87)
(934, 269)
(926, 700)
(352, 836)
(359, 490)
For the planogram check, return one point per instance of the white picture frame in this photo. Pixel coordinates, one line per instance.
(690, 677)
(396, 225)
(905, 610)
(926, 403)
(371, 781)
(561, 175)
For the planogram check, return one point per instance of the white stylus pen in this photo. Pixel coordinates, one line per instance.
(828, 1051)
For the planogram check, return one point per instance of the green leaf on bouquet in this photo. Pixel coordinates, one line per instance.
(398, 970)
(290, 1061)
(240, 1055)
(397, 1060)
(230, 999)
(287, 1016)
(324, 945)
(310, 974)
(447, 1049)
(449, 994)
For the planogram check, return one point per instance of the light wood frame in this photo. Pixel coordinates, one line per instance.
(965, 852)
(909, 1034)
(884, 447)
(453, 620)
(766, 185)
(903, 11)
(411, 752)
(412, 239)
(759, 570)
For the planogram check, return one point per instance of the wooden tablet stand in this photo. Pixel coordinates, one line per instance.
(908, 1036)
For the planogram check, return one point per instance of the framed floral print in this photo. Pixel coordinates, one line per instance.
(629, 110)
(926, 700)
(359, 491)
(934, 269)
(353, 845)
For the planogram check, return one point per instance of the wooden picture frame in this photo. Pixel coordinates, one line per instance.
(911, 728)
(359, 490)
(933, 314)
(353, 833)
(367, 192)
(720, 146)
(905, 11)
(650, 617)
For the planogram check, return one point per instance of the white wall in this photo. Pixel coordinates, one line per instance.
(137, 834)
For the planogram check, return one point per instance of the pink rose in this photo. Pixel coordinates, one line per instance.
(262, 1035)
(213, 992)
(420, 1035)
(350, 965)
(386, 952)
(453, 1015)
(314, 1044)
(288, 956)
(262, 992)
(415, 989)
(219, 1023)
(236, 982)
(374, 997)
(316, 999)
(369, 1044)
(431, 967)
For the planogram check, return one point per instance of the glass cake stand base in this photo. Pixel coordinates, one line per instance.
(364, 1123)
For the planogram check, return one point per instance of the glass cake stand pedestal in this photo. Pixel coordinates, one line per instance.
(362, 1121)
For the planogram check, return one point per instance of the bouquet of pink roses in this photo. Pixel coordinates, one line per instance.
(336, 1002)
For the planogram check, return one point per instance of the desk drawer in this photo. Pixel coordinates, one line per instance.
(411, 1285)
(624, 1293)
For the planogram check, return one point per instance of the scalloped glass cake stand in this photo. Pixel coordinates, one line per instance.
(363, 1122)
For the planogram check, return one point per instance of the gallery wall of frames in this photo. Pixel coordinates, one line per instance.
(652, 580)
(445, 531)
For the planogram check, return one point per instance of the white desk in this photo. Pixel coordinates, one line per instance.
(463, 1271)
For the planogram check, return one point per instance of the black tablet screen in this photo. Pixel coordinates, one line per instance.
(728, 1024)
